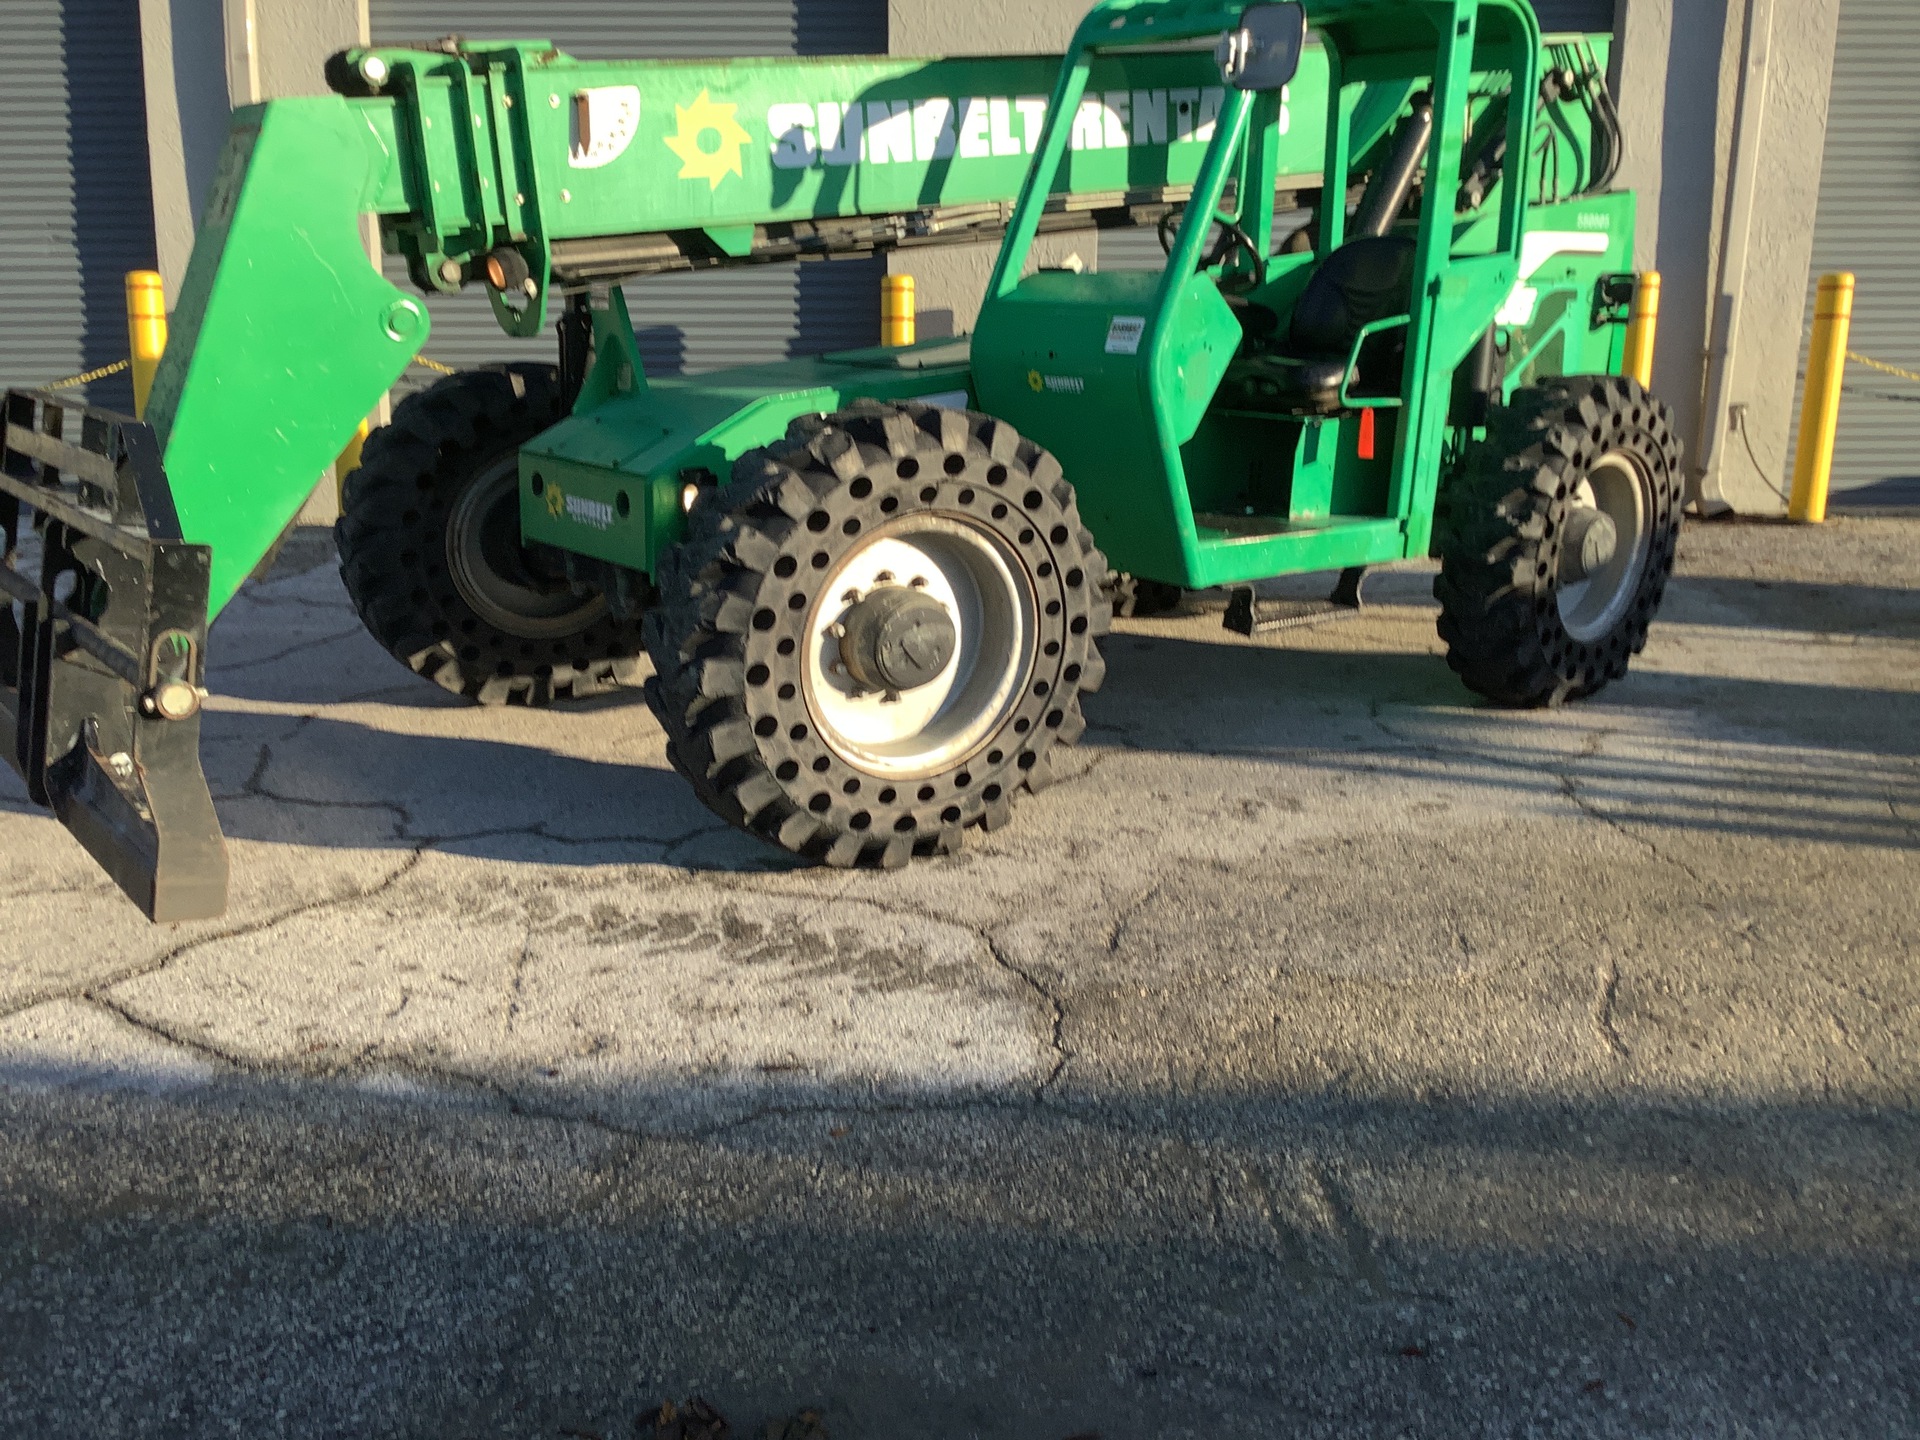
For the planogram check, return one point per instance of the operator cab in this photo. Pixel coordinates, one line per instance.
(1300, 364)
(1257, 407)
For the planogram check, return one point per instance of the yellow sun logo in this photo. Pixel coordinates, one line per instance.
(556, 500)
(698, 163)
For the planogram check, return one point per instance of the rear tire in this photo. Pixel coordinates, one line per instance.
(945, 525)
(429, 541)
(1528, 618)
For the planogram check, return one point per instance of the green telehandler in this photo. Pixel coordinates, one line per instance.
(872, 584)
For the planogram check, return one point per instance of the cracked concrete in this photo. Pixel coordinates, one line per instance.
(1325, 1055)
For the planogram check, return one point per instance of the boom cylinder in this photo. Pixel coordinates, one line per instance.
(1386, 194)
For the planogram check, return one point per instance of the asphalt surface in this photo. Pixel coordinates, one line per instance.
(1330, 1055)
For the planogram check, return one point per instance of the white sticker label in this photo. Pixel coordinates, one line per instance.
(1123, 335)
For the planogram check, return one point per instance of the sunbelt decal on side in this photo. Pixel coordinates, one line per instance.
(596, 514)
(983, 127)
(803, 134)
(704, 117)
(1056, 384)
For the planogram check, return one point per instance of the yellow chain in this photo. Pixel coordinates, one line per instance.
(435, 365)
(1880, 365)
(89, 376)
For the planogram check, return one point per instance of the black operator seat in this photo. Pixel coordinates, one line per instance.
(1301, 374)
(1367, 279)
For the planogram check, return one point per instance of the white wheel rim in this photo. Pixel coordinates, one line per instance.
(1616, 486)
(980, 581)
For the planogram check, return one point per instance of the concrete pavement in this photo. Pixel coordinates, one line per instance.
(1329, 1055)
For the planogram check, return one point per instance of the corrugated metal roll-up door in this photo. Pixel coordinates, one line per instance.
(1589, 17)
(685, 322)
(76, 202)
(1868, 222)
(1137, 247)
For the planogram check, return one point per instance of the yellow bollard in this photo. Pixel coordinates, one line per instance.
(348, 462)
(1643, 324)
(146, 331)
(896, 310)
(1820, 409)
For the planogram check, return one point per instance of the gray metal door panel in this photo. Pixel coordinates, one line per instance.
(686, 322)
(627, 29)
(1586, 16)
(76, 206)
(1868, 221)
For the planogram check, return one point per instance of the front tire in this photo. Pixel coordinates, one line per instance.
(1557, 540)
(876, 635)
(430, 552)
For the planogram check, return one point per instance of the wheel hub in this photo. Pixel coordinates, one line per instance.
(1591, 540)
(898, 638)
(919, 644)
(1606, 542)
(506, 584)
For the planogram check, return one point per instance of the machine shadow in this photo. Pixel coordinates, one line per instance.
(1898, 495)
(1768, 759)
(1159, 1263)
(1891, 611)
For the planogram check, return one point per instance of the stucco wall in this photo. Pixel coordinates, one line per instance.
(1751, 474)
(197, 67)
(1669, 98)
(182, 47)
(294, 38)
(948, 280)
(1679, 79)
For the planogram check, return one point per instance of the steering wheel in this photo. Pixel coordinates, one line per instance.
(1232, 238)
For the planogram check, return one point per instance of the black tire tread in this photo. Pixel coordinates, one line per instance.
(1496, 526)
(697, 631)
(391, 542)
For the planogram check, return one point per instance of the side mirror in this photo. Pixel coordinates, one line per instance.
(1264, 53)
